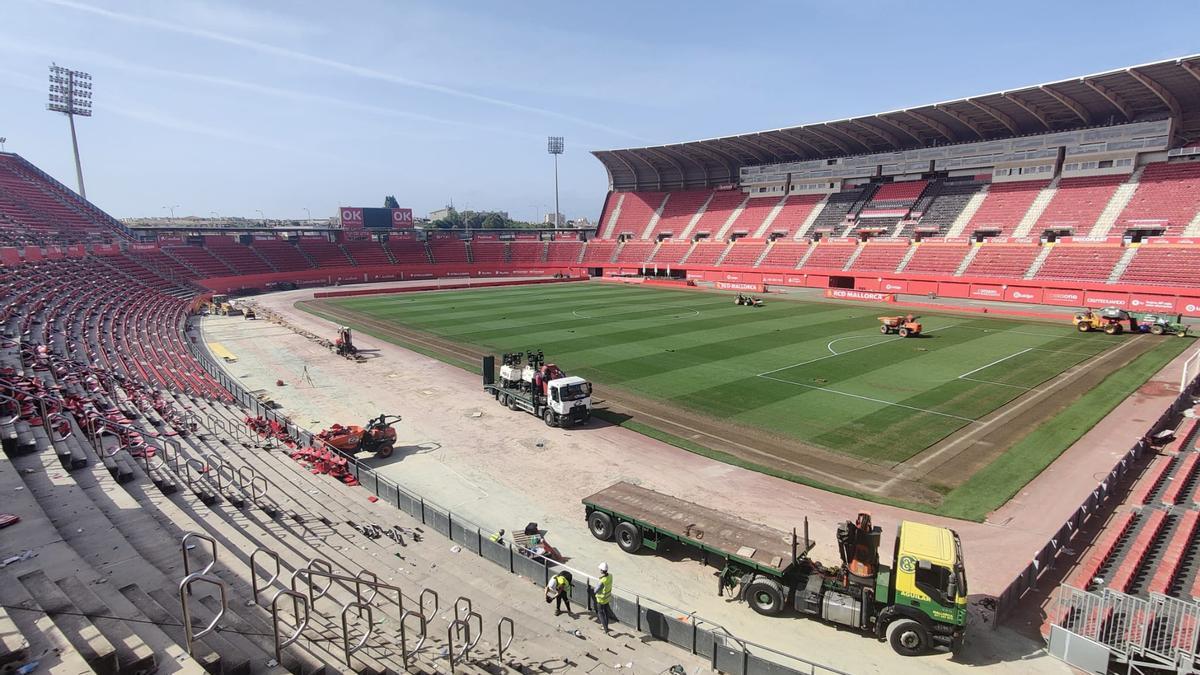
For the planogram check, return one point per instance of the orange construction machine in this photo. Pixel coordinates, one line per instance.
(906, 326)
(378, 436)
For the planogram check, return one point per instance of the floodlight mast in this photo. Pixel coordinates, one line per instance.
(71, 94)
(554, 145)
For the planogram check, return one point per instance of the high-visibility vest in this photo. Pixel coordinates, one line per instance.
(561, 582)
(496, 537)
(605, 593)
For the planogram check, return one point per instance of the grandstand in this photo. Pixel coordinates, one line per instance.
(119, 430)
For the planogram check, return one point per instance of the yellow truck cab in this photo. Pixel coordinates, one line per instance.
(926, 589)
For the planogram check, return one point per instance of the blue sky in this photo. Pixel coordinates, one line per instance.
(276, 105)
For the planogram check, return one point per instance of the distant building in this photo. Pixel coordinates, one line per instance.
(440, 213)
(581, 224)
(549, 219)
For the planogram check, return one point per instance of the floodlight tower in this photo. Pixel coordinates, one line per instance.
(554, 145)
(71, 94)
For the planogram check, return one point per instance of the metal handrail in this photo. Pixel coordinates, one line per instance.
(429, 591)
(458, 603)
(404, 653)
(358, 582)
(185, 591)
(350, 650)
(254, 586)
(478, 633)
(298, 600)
(456, 627)
(502, 644)
(187, 561)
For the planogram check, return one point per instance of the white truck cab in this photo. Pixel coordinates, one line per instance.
(567, 393)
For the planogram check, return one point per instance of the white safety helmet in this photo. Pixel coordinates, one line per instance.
(603, 567)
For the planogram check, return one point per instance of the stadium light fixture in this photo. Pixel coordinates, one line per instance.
(71, 94)
(3, 140)
(554, 146)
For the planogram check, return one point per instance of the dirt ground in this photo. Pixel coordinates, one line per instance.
(500, 468)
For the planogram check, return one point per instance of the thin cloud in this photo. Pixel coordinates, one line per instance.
(116, 63)
(359, 71)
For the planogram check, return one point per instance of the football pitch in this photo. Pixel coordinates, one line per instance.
(817, 374)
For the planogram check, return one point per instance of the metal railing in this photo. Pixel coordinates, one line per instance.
(1044, 560)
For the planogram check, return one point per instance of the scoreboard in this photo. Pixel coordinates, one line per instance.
(360, 217)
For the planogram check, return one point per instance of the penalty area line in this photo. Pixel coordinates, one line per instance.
(868, 398)
(1002, 360)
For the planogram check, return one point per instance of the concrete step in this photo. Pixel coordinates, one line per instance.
(47, 642)
(83, 636)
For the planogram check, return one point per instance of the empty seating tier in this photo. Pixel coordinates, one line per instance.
(1080, 263)
(367, 253)
(678, 213)
(745, 252)
(1005, 205)
(935, 258)
(831, 257)
(791, 217)
(636, 210)
(943, 210)
(565, 251)
(1159, 265)
(671, 252)
(282, 255)
(783, 254)
(635, 251)
(718, 211)
(445, 251)
(324, 253)
(1167, 196)
(706, 252)
(527, 252)
(879, 257)
(1077, 203)
(1002, 260)
(599, 251)
(489, 252)
(408, 251)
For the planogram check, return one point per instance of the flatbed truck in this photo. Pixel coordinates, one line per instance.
(917, 602)
(539, 389)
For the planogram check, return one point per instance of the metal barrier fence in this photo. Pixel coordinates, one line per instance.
(1043, 560)
(655, 619)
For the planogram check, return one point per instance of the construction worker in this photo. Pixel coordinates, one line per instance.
(498, 538)
(559, 590)
(603, 595)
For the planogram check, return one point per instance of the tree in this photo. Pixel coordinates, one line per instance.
(494, 221)
(389, 202)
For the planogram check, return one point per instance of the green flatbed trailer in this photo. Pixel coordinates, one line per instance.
(773, 571)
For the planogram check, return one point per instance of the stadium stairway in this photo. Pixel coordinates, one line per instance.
(114, 550)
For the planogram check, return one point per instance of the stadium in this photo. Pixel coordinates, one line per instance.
(834, 370)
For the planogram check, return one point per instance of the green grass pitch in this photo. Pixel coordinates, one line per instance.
(818, 372)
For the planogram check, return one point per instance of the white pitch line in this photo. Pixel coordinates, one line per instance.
(829, 345)
(998, 384)
(867, 398)
(969, 373)
(848, 351)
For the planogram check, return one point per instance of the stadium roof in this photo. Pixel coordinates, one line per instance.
(1150, 91)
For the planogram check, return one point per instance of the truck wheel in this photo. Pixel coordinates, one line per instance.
(908, 637)
(600, 525)
(548, 417)
(1083, 327)
(765, 596)
(903, 332)
(629, 537)
(384, 452)
(1157, 329)
(884, 330)
(512, 402)
(1112, 329)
